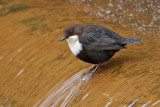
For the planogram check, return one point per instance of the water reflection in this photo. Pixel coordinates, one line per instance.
(143, 16)
(63, 93)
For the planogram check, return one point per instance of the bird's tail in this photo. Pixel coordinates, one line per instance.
(131, 40)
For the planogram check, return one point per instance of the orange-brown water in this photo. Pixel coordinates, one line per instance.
(33, 61)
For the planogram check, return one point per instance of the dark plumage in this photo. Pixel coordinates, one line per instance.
(95, 44)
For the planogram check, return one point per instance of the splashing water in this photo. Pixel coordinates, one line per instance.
(64, 92)
(141, 16)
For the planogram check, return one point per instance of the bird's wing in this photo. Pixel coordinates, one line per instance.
(91, 42)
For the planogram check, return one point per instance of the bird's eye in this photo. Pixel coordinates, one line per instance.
(71, 32)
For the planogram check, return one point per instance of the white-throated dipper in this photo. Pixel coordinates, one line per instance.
(94, 43)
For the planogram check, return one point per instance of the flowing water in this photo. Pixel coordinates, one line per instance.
(64, 92)
(38, 70)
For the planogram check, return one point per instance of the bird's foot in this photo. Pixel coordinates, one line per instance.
(90, 72)
(93, 70)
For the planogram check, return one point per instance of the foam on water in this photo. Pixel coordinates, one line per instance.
(144, 105)
(20, 72)
(156, 103)
(133, 103)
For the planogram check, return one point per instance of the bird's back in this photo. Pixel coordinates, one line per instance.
(101, 32)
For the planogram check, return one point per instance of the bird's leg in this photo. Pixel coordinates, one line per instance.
(93, 69)
(90, 72)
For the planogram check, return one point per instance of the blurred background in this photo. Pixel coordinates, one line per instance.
(33, 61)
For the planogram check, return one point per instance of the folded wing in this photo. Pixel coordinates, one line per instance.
(90, 42)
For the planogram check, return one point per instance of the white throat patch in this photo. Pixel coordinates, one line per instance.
(74, 44)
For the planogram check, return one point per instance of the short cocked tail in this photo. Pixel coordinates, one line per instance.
(131, 40)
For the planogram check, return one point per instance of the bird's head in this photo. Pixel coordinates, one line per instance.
(72, 30)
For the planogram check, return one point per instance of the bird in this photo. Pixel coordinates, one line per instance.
(94, 44)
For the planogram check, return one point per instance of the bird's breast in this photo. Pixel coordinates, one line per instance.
(75, 46)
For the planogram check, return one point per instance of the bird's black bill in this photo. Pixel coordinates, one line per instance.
(63, 38)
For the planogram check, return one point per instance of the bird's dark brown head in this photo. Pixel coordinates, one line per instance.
(73, 29)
